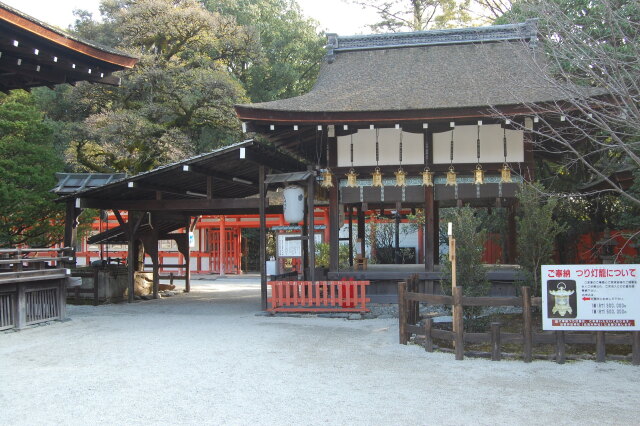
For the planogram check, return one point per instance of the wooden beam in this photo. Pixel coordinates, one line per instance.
(191, 168)
(218, 204)
(164, 188)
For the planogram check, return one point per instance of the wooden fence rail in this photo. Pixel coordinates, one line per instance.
(318, 296)
(16, 258)
(408, 303)
(30, 292)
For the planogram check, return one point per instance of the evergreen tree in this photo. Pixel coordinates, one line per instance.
(28, 164)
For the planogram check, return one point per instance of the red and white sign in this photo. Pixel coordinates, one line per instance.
(591, 297)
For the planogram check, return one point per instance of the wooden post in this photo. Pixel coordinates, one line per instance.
(452, 258)
(428, 340)
(402, 312)
(350, 207)
(222, 247)
(511, 233)
(20, 307)
(601, 351)
(527, 333)
(560, 347)
(71, 231)
(396, 248)
(496, 354)
(305, 243)
(131, 259)
(458, 323)
(96, 287)
(430, 229)
(311, 194)
(635, 347)
(361, 230)
(62, 299)
(187, 257)
(263, 237)
(436, 232)
(334, 229)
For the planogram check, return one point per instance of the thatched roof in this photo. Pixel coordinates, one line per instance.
(421, 71)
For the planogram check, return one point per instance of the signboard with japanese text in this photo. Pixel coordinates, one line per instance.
(591, 297)
(292, 248)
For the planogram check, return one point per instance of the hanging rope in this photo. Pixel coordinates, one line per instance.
(401, 147)
(351, 148)
(377, 147)
(451, 147)
(478, 144)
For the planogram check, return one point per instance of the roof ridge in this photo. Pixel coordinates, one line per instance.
(527, 30)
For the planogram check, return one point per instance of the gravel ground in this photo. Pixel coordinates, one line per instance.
(206, 358)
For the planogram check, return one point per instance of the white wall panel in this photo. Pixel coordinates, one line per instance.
(465, 145)
(364, 148)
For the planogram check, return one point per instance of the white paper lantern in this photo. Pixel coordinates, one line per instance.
(293, 204)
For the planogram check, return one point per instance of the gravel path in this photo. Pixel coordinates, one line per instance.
(205, 358)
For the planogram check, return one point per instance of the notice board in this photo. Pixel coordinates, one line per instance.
(590, 297)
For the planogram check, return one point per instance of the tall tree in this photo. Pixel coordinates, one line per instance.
(179, 98)
(290, 48)
(28, 163)
(590, 51)
(417, 15)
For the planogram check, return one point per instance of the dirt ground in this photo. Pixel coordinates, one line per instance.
(206, 358)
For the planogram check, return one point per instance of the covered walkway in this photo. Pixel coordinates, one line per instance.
(199, 359)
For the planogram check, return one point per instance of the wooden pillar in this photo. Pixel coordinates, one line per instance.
(396, 248)
(361, 230)
(601, 350)
(458, 323)
(511, 232)
(305, 246)
(496, 354)
(311, 186)
(131, 259)
(187, 257)
(430, 228)
(350, 209)
(71, 231)
(222, 246)
(527, 329)
(560, 347)
(436, 232)
(334, 229)
(155, 258)
(402, 312)
(263, 237)
(20, 320)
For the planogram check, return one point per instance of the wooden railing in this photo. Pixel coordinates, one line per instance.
(408, 304)
(319, 296)
(17, 258)
(30, 292)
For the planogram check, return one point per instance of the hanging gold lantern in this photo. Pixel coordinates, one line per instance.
(451, 177)
(505, 174)
(376, 177)
(352, 178)
(478, 175)
(427, 177)
(401, 177)
(327, 179)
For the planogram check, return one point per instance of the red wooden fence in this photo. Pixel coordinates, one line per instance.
(319, 296)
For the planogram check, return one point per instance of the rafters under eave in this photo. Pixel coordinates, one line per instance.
(34, 54)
